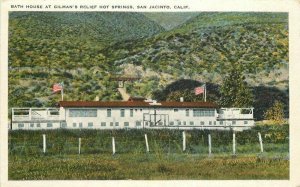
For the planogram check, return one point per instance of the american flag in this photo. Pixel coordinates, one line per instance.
(57, 87)
(199, 90)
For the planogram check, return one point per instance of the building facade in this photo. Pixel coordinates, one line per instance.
(132, 114)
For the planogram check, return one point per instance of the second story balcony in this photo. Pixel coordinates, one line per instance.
(235, 113)
(35, 114)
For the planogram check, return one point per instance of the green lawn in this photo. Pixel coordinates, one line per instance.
(147, 166)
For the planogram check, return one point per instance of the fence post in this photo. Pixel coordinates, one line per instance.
(261, 143)
(209, 144)
(183, 141)
(79, 145)
(233, 143)
(147, 145)
(113, 146)
(44, 143)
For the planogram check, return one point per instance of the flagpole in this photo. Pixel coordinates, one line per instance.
(62, 91)
(204, 92)
(62, 94)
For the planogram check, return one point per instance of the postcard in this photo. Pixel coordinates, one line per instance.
(149, 93)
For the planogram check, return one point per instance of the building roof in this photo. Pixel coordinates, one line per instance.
(164, 104)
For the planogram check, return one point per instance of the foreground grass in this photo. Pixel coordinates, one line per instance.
(147, 167)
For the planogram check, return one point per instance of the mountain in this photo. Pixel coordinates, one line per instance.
(39, 37)
(206, 46)
(85, 50)
(170, 20)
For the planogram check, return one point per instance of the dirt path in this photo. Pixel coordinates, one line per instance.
(124, 94)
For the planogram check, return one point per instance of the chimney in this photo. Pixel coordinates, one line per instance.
(181, 99)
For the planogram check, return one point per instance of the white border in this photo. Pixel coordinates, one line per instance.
(290, 6)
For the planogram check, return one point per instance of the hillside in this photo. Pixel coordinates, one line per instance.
(85, 53)
(205, 50)
(170, 20)
(39, 38)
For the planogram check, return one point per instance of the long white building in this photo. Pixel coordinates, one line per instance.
(132, 114)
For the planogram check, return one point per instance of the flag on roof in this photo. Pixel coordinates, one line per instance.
(57, 87)
(199, 90)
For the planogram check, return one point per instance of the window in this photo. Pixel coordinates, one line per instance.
(141, 110)
(187, 112)
(122, 112)
(108, 111)
(20, 125)
(202, 123)
(203, 112)
(171, 122)
(221, 122)
(175, 109)
(54, 112)
(191, 123)
(184, 123)
(31, 124)
(38, 125)
(117, 124)
(138, 123)
(103, 124)
(126, 124)
(49, 125)
(111, 124)
(90, 124)
(63, 124)
(179, 122)
(215, 123)
(234, 122)
(74, 124)
(245, 122)
(83, 113)
(210, 122)
(131, 112)
(80, 125)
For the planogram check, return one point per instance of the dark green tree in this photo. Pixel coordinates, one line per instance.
(275, 113)
(234, 91)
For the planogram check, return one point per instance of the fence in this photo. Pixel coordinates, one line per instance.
(30, 143)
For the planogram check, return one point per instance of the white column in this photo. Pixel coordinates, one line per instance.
(183, 141)
(261, 143)
(233, 143)
(30, 112)
(147, 145)
(209, 144)
(44, 143)
(79, 145)
(113, 146)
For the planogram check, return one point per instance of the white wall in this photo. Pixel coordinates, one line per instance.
(178, 117)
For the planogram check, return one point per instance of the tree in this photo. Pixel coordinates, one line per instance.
(187, 94)
(235, 91)
(275, 113)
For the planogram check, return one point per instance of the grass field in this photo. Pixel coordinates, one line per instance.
(166, 160)
(127, 166)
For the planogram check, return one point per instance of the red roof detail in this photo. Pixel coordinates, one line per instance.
(164, 104)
